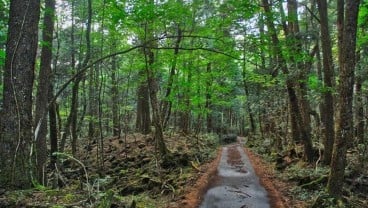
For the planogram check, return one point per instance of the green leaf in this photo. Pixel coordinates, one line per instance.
(2, 58)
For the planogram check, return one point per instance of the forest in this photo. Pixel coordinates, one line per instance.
(128, 103)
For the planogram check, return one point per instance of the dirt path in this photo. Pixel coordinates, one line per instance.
(209, 178)
(237, 184)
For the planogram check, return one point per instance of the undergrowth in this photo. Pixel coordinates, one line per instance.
(308, 181)
(133, 176)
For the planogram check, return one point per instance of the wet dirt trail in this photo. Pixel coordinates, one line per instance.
(236, 184)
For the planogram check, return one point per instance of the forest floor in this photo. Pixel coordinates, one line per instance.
(132, 174)
(127, 172)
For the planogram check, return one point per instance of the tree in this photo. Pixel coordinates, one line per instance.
(344, 121)
(153, 87)
(299, 130)
(328, 70)
(143, 119)
(72, 120)
(16, 116)
(42, 97)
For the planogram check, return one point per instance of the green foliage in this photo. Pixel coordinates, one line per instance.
(2, 58)
(316, 85)
(264, 80)
(69, 197)
(106, 200)
(362, 40)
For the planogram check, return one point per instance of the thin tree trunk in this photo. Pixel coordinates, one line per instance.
(42, 91)
(328, 70)
(249, 109)
(53, 128)
(184, 114)
(208, 105)
(153, 90)
(156, 117)
(166, 109)
(115, 98)
(359, 110)
(72, 120)
(297, 120)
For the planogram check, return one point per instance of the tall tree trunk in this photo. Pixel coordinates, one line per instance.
(295, 112)
(115, 98)
(184, 113)
(92, 112)
(328, 70)
(359, 109)
(303, 113)
(153, 91)
(166, 109)
(340, 28)
(245, 85)
(67, 126)
(16, 116)
(72, 120)
(53, 128)
(208, 105)
(143, 120)
(43, 91)
(344, 131)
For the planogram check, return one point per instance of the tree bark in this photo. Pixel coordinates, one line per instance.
(115, 99)
(153, 90)
(328, 80)
(156, 114)
(359, 122)
(208, 105)
(143, 120)
(16, 117)
(184, 113)
(53, 128)
(344, 131)
(297, 121)
(43, 91)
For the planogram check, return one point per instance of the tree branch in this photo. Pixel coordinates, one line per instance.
(143, 45)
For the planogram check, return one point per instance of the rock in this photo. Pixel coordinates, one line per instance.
(141, 145)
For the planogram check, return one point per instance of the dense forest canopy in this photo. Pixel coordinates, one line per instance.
(286, 73)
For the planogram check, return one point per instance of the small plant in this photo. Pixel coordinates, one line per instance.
(327, 201)
(68, 198)
(106, 199)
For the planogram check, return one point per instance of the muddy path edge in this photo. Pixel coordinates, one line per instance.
(208, 176)
(239, 185)
(266, 177)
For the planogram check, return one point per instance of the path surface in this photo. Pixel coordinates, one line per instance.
(237, 185)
